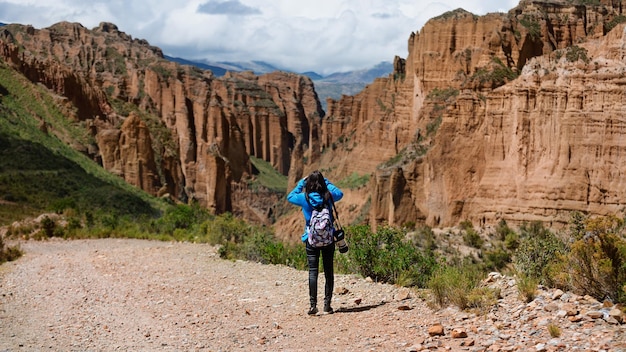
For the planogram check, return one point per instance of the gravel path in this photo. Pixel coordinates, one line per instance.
(136, 295)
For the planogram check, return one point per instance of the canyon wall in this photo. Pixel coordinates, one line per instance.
(515, 116)
(166, 128)
(532, 132)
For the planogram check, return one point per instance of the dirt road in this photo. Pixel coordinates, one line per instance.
(136, 295)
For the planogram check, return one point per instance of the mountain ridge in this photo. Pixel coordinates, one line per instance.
(219, 68)
(332, 86)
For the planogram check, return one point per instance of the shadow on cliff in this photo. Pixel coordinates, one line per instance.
(34, 176)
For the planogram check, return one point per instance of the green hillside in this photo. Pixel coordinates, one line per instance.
(39, 172)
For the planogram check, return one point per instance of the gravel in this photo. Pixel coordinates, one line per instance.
(139, 295)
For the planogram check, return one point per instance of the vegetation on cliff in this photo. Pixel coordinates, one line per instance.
(39, 172)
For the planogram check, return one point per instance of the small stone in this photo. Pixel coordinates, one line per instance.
(436, 330)
(590, 299)
(571, 309)
(468, 343)
(341, 290)
(403, 294)
(617, 315)
(594, 314)
(557, 294)
(575, 318)
(551, 307)
(458, 334)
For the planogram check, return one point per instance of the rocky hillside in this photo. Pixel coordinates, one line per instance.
(512, 116)
(164, 127)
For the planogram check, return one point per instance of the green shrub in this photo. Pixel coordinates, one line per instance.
(496, 258)
(538, 248)
(596, 263)
(503, 230)
(453, 285)
(424, 237)
(48, 226)
(575, 53)
(386, 256)
(227, 228)
(470, 236)
(511, 241)
(259, 245)
(442, 95)
(8, 254)
(532, 25)
(181, 216)
(527, 287)
(614, 22)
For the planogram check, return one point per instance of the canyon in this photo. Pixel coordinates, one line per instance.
(514, 116)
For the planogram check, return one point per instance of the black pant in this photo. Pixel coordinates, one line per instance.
(313, 257)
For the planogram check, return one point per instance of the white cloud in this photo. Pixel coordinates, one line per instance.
(324, 35)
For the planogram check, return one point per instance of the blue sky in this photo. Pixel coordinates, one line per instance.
(324, 36)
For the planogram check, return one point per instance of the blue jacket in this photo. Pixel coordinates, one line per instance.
(297, 197)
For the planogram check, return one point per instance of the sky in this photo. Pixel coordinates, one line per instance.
(323, 36)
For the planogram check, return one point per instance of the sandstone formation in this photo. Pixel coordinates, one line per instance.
(455, 134)
(167, 128)
(514, 116)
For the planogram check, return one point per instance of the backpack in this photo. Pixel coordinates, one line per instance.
(320, 226)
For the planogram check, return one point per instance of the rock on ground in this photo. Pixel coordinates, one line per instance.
(122, 294)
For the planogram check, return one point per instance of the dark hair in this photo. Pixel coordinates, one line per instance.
(315, 183)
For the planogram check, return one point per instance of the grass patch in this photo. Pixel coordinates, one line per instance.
(39, 172)
(354, 181)
(267, 176)
(527, 287)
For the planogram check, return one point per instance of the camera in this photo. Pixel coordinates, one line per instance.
(340, 239)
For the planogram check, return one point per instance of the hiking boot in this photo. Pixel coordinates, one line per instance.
(328, 309)
(312, 311)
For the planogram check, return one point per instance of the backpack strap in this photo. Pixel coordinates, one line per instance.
(336, 215)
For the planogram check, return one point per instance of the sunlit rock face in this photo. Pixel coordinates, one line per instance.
(534, 145)
(167, 128)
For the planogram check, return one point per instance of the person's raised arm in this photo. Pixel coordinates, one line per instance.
(334, 190)
(296, 196)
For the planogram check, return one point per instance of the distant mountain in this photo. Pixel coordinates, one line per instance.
(348, 83)
(313, 75)
(219, 68)
(331, 86)
(258, 67)
(383, 69)
(218, 71)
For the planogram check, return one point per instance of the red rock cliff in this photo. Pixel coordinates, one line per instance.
(161, 126)
(454, 135)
